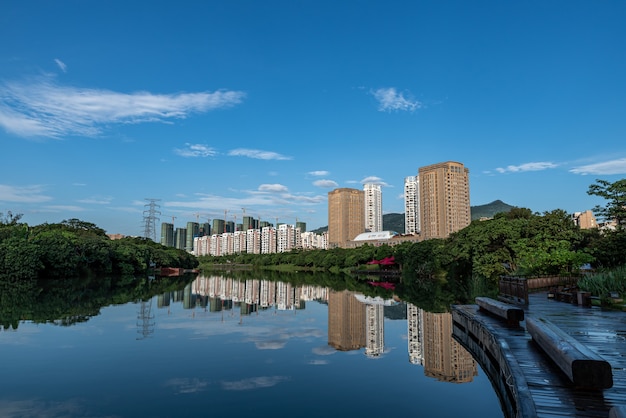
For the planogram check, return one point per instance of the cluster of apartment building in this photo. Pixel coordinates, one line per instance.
(436, 204)
(251, 236)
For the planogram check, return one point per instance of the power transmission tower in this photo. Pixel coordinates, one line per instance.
(150, 218)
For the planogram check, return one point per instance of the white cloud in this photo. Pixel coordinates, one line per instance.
(319, 173)
(604, 168)
(97, 200)
(195, 150)
(65, 208)
(258, 154)
(61, 65)
(327, 184)
(374, 180)
(43, 108)
(538, 166)
(390, 100)
(273, 188)
(254, 383)
(26, 194)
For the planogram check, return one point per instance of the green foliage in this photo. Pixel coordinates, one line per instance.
(605, 282)
(615, 194)
(75, 248)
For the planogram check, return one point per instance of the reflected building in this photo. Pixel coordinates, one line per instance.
(444, 358)
(346, 321)
(219, 293)
(375, 325)
(415, 328)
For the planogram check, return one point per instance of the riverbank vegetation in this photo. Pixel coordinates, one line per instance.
(75, 248)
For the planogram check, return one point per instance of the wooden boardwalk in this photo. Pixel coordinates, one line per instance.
(602, 331)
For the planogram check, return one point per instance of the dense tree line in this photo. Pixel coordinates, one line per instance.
(74, 248)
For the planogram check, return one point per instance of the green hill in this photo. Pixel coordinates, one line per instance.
(490, 209)
(395, 221)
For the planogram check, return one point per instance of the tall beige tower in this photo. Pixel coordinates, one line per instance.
(444, 199)
(346, 215)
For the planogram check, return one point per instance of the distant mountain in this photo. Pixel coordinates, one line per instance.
(490, 209)
(395, 221)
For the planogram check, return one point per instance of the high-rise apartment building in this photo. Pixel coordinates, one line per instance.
(193, 230)
(444, 199)
(373, 207)
(411, 205)
(345, 215)
(167, 234)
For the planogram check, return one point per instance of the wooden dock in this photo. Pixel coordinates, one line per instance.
(535, 377)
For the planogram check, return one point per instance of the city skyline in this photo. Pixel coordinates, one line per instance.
(263, 109)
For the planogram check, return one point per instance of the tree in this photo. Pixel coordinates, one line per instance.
(615, 194)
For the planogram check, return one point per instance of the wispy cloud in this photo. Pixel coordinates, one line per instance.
(61, 65)
(319, 173)
(374, 180)
(25, 194)
(96, 200)
(64, 208)
(258, 154)
(273, 188)
(254, 383)
(538, 166)
(389, 99)
(42, 108)
(195, 150)
(604, 168)
(326, 184)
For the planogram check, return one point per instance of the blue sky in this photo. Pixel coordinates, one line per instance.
(214, 106)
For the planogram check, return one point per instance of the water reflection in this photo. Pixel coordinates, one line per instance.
(222, 341)
(355, 321)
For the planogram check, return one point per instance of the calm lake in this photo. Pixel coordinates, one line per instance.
(227, 347)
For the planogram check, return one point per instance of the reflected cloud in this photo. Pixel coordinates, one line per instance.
(319, 362)
(254, 383)
(187, 385)
(36, 408)
(324, 350)
(270, 345)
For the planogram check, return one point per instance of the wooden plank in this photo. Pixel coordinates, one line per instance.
(512, 314)
(584, 367)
